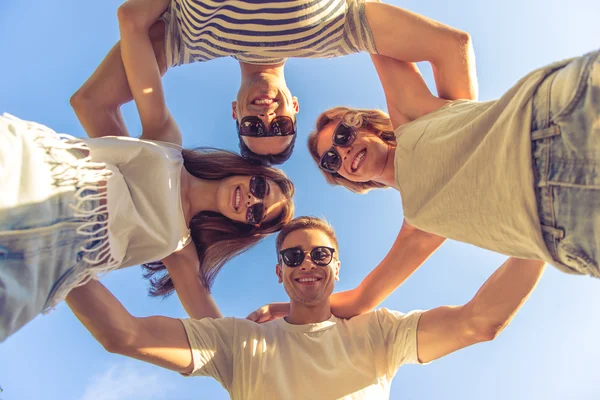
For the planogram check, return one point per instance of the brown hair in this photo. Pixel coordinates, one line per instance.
(376, 121)
(217, 238)
(301, 223)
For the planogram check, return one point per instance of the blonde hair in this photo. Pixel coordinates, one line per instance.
(376, 121)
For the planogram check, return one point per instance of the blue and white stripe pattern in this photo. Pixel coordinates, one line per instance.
(264, 31)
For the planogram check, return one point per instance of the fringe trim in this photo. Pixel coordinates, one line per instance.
(72, 168)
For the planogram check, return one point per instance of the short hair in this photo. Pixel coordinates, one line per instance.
(375, 121)
(267, 159)
(302, 223)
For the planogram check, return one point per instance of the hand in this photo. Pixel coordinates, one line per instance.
(269, 312)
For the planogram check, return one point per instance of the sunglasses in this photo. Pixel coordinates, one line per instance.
(343, 136)
(258, 188)
(254, 127)
(294, 256)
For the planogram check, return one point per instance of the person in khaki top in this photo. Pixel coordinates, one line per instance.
(519, 175)
(310, 354)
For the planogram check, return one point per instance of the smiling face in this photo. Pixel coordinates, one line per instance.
(234, 198)
(364, 160)
(308, 284)
(265, 96)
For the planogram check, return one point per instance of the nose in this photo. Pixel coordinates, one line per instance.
(307, 264)
(251, 200)
(345, 152)
(267, 117)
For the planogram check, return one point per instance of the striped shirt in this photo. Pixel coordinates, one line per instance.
(264, 31)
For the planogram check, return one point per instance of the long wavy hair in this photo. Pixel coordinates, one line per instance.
(216, 237)
(376, 121)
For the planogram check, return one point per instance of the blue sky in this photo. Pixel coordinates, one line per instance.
(551, 349)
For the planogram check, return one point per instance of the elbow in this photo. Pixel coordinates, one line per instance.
(483, 331)
(118, 343)
(487, 332)
(463, 40)
(130, 19)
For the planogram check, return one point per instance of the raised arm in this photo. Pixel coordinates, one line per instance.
(444, 330)
(183, 267)
(157, 340)
(406, 36)
(98, 101)
(410, 250)
(406, 92)
(142, 70)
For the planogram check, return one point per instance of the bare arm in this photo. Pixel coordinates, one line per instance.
(406, 92)
(183, 268)
(406, 36)
(158, 340)
(444, 330)
(410, 250)
(143, 73)
(97, 103)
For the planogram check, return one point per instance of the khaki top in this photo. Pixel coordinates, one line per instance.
(465, 172)
(333, 359)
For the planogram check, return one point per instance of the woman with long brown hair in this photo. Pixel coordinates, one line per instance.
(518, 175)
(73, 208)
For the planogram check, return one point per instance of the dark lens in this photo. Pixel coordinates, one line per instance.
(343, 135)
(331, 161)
(282, 126)
(321, 255)
(255, 213)
(252, 126)
(258, 186)
(292, 257)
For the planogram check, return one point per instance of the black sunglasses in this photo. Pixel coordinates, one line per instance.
(294, 256)
(258, 188)
(254, 127)
(343, 136)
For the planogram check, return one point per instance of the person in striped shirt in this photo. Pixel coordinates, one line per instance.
(260, 35)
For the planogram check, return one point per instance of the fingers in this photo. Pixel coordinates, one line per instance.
(253, 316)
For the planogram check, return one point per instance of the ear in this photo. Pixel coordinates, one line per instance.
(295, 104)
(234, 110)
(336, 270)
(279, 272)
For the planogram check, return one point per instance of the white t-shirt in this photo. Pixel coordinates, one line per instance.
(334, 359)
(145, 216)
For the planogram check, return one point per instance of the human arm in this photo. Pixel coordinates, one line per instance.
(97, 102)
(406, 92)
(410, 250)
(183, 267)
(406, 36)
(444, 330)
(142, 70)
(158, 340)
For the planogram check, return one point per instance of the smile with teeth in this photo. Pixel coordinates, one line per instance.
(262, 102)
(309, 279)
(358, 159)
(237, 198)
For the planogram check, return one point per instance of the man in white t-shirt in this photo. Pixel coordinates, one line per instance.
(310, 354)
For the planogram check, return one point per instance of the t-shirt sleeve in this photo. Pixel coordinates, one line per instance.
(211, 342)
(357, 31)
(400, 336)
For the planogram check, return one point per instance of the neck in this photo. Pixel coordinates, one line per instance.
(301, 314)
(199, 195)
(388, 174)
(251, 70)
